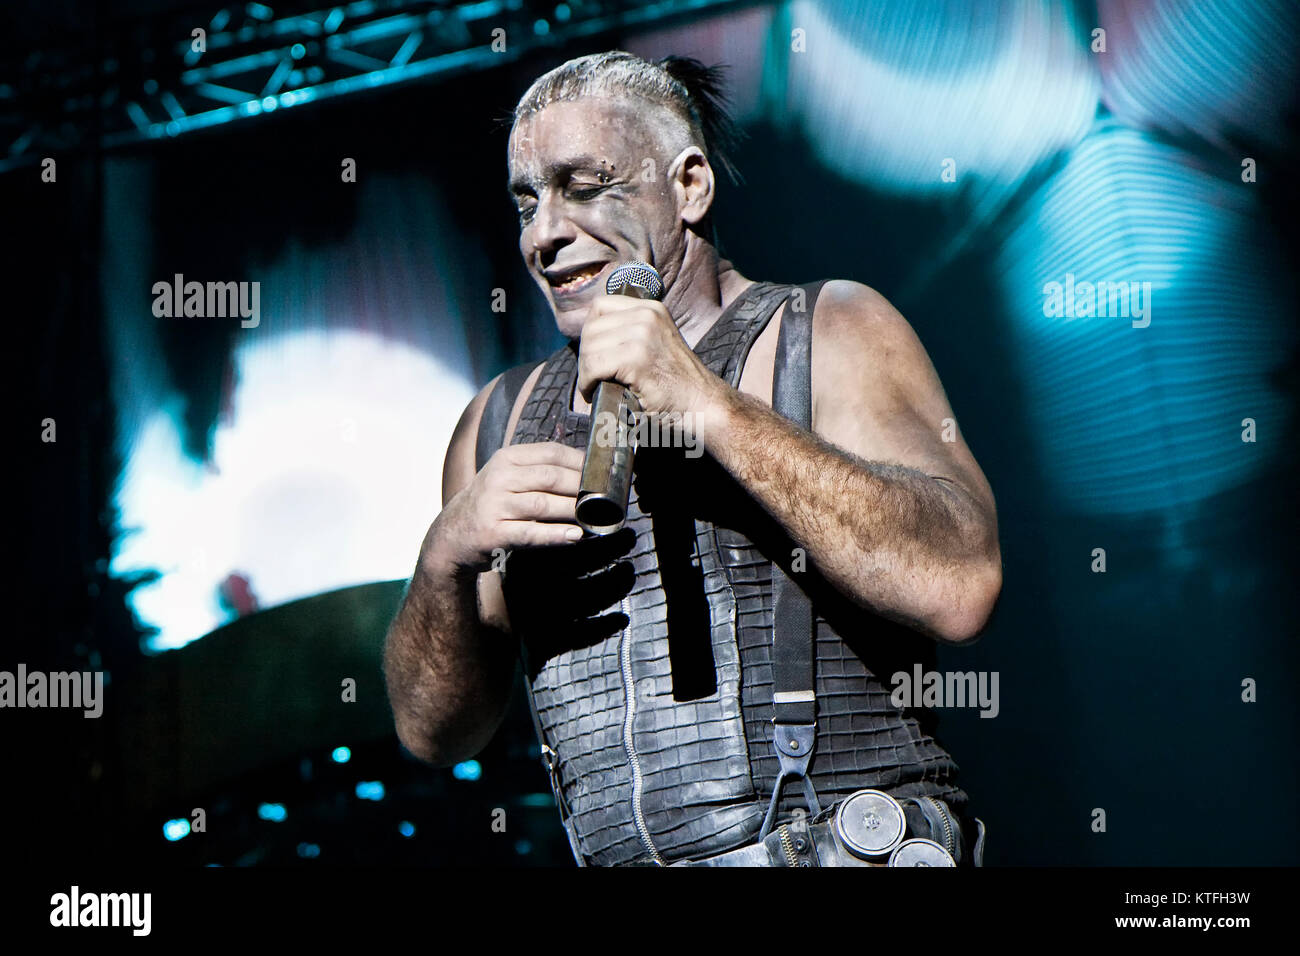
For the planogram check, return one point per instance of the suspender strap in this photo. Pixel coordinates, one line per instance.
(496, 413)
(794, 700)
(492, 436)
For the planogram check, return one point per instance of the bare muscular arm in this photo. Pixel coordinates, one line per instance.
(894, 516)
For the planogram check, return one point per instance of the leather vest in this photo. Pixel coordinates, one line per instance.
(648, 652)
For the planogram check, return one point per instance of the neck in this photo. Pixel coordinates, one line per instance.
(702, 289)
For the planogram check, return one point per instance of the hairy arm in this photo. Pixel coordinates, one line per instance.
(895, 517)
(448, 673)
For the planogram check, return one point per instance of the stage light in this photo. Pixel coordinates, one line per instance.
(1220, 70)
(308, 851)
(174, 830)
(370, 790)
(274, 812)
(341, 755)
(1146, 413)
(406, 829)
(894, 91)
(468, 770)
(317, 479)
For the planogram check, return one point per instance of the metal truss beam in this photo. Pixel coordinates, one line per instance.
(152, 83)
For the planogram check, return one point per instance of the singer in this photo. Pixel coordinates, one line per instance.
(710, 684)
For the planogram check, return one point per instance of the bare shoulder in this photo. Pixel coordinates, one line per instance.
(859, 340)
(875, 391)
(460, 465)
(855, 317)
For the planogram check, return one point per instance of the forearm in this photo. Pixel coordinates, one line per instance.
(448, 674)
(918, 549)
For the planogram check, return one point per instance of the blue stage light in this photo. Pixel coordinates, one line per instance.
(275, 812)
(406, 829)
(370, 790)
(1214, 69)
(341, 755)
(940, 100)
(468, 770)
(174, 830)
(1145, 412)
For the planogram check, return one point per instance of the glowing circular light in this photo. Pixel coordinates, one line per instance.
(174, 830)
(274, 812)
(468, 770)
(370, 790)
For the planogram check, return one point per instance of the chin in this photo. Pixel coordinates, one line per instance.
(569, 323)
(570, 320)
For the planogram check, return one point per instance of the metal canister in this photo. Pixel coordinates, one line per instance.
(918, 852)
(870, 823)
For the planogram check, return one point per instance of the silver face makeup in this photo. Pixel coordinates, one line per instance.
(578, 179)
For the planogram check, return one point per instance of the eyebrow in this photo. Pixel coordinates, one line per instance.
(552, 171)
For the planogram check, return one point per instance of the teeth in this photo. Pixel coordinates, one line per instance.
(579, 278)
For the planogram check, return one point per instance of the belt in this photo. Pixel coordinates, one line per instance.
(925, 832)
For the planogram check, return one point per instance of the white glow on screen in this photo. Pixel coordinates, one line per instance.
(326, 473)
(893, 90)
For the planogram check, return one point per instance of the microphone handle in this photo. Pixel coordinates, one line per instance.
(607, 470)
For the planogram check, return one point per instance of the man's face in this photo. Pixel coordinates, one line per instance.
(578, 175)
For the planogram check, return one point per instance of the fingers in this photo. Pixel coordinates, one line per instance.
(552, 479)
(543, 453)
(608, 357)
(545, 467)
(615, 326)
(527, 498)
(539, 506)
(539, 534)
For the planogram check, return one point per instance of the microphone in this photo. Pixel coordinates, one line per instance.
(607, 469)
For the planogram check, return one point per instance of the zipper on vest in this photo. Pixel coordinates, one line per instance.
(949, 842)
(629, 711)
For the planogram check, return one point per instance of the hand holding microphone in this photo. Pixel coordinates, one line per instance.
(607, 469)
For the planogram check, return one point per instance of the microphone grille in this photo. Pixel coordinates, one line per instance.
(639, 275)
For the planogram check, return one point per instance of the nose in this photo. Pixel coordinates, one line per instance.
(550, 230)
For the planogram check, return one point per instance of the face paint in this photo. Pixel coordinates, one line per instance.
(576, 175)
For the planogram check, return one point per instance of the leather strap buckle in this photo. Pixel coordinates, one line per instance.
(793, 744)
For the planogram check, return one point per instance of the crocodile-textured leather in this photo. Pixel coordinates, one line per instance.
(693, 567)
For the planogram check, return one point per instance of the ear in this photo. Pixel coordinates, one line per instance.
(691, 179)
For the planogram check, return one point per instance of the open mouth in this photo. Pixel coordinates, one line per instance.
(575, 280)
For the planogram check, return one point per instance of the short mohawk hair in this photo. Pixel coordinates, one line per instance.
(685, 86)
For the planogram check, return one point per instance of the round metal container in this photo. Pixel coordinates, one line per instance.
(870, 823)
(920, 853)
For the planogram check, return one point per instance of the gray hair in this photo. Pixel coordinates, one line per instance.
(685, 87)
